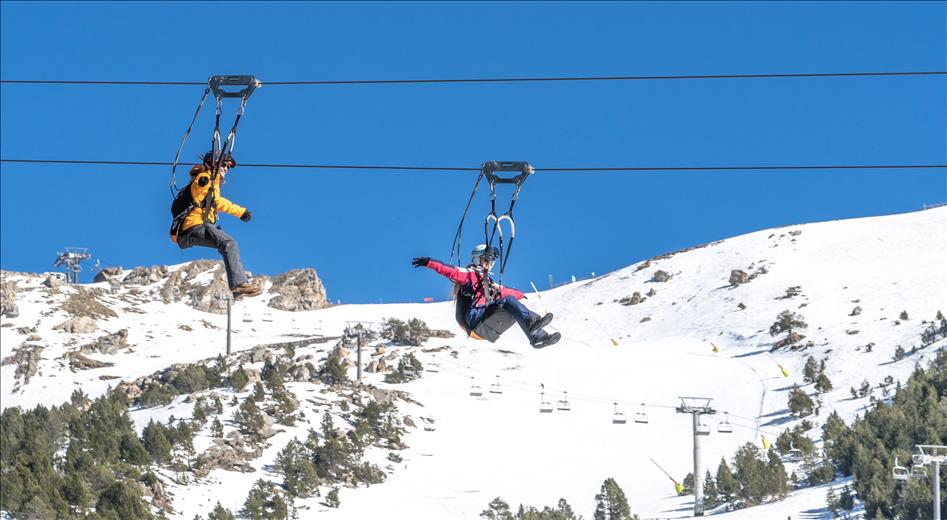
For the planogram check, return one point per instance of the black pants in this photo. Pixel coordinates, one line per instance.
(208, 235)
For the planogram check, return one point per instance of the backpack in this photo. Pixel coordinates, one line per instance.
(182, 205)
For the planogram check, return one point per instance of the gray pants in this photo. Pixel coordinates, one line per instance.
(208, 235)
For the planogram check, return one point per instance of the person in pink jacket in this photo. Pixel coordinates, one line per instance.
(473, 282)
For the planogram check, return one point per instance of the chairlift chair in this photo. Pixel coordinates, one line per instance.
(618, 417)
(918, 471)
(544, 405)
(703, 429)
(724, 426)
(495, 388)
(475, 390)
(795, 454)
(564, 403)
(641, 417)
(900, 472)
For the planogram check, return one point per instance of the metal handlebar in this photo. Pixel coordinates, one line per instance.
(250, 83)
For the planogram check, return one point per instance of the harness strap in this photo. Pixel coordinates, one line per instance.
(177, 156)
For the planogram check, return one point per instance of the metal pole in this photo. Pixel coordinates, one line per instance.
(937, 489)
(228, 326)
(698, 485)
(358, 350)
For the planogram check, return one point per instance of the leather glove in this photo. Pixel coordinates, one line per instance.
(420, 262)
(246, 216)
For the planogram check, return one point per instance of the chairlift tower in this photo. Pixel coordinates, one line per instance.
(70, 259)
(360, 328)
(925, 455)
(697, 406)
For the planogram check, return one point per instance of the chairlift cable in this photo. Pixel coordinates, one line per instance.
(574, 169)
(538, 79)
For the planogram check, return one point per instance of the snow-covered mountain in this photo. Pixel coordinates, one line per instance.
(699, 325)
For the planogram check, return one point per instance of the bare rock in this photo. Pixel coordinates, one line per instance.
(26, 358)
(229, 454)
(181, 284)
(108, 344)
(185, 327)
(211, 297)
(34, 337)
(107, 274)
(79, 362)
(53, 282)
(253, 376)
(78, 325)
(372, 367)
(84, 303)
(660, 276)
(146, 275)
(792, 338)
(298, 290)
(652, 292)
(8, 308)
(856, 311)
(301, 373)
(408, 421)
(380, 349)
(441, 333)
(634, 299)
(646, 318)
(738, 276)
(645, 265)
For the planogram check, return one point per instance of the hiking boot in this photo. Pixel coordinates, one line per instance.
(540, 323)
(246, 289)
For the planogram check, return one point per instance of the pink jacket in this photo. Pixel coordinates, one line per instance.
(470, 279)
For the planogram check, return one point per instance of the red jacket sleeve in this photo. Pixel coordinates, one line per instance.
(454, 274)
(509, 291)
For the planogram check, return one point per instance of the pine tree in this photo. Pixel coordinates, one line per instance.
(299, 473)
(155, 439)
(239, 379)
(333, 371)
(220, 513)
(800, 404)
(332, 498)
(711, 499)
(497, 509)
(726, 483)
(610, 503)
(249, 418)
(688, 484)
(811, 370)
(258, 393)
(832, 502)
(122, 500)
(823, 384)
(216, 428)
(264, 502)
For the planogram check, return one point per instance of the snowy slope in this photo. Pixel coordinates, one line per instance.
(478, 448)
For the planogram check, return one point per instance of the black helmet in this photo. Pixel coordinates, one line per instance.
(484, 251)
(210, 158)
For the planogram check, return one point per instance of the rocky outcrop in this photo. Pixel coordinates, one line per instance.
(26, 358)
(107, 274)
(108, 344)
(232, 453)
(8, 308)
(856, 311)
(634, 299)
(660, 276)
(53, 282)
(78, 325)
(146, 275)
(298, 290)
(79, 362)
(739, 276)
(84, 303)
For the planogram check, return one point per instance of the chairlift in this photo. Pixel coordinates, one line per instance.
(475, 390)
(724, 426)
(618, 417)
(641, 417)
(703, 429)
(564, 403)
(917, 459)
(918, 471)
(795, 454)
(544, 405)
(900, 472)
(495, 388)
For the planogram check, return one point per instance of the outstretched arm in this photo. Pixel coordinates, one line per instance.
(509, 291)
(454, 274)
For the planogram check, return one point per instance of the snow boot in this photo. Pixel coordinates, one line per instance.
(537, 325)
(545, 340)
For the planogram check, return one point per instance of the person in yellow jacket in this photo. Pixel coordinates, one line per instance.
(196, 232)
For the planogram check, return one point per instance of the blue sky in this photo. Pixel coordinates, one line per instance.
(360, 230)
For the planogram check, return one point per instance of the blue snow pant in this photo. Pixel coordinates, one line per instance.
(523, 316)
(208, 235)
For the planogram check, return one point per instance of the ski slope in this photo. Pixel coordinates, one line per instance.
(477, 448)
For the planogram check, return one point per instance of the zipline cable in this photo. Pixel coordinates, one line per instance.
(800, 167)
(493, 80)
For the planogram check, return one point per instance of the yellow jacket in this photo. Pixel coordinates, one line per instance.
(200, 185)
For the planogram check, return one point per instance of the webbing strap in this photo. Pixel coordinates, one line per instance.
(177, 156)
